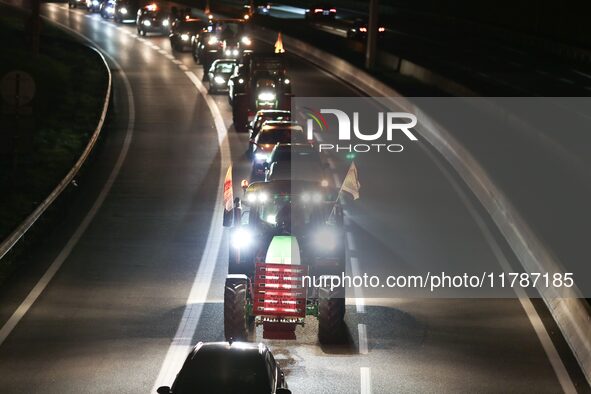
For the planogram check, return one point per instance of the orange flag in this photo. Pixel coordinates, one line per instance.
(228, 191)
(279, 44)
(351, 183)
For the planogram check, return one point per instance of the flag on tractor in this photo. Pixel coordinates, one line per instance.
(279, 44)
(228, 191)
(351, 183)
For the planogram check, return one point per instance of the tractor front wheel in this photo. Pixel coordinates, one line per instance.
(236, 317)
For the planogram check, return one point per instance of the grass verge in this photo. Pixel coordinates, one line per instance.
(40, 147)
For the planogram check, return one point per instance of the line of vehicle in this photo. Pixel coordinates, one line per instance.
(182, 341)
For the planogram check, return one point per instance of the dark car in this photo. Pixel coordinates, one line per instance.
(258, 7)
(125, 10)
(271, 134)
(265, 115)
(94, 5)
(183, 33)
(227, 368)
(298, 162)
(107, 9)
(152, 19)
(224, 38)
(358, 30)
(219, 73)
(321, 10)
(77, 4)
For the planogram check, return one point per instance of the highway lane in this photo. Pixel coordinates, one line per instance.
(105, 322)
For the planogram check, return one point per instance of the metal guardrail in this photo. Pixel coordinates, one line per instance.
(22, 229)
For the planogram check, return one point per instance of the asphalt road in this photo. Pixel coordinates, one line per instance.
(151, 253)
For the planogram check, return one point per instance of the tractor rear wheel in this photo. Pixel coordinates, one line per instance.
(331, 313)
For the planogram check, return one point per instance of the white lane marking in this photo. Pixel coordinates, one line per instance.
(581, 73)
(365, 380)
(182, 342)
(362, 330)
(28, 302)
(351, 241)
(551, 352)
(566, 80)
(359, 301)
(176, 61)
(183, 67)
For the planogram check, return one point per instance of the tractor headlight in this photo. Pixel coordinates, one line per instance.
(147, 23)
(95, 3)
(251, 198)
(246, 41)
(235, 52)
(185, 37)
(165, 22)
(286, 81)
(315, 198)
(266, 96)
(260, 156)
(326, 239)
(212, 40)
(219, 80)
(241, 238)
(123, 10)
(263, 197)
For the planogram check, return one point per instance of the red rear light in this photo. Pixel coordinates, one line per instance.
(363, 29)
(381, 29)
(317, 10)
(279, 290)
(333, 10)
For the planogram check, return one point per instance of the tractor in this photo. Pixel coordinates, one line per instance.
(280, 233)
(261, 82)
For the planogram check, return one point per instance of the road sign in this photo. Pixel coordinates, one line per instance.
(17, 88)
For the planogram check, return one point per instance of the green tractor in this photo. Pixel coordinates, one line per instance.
(282, 232)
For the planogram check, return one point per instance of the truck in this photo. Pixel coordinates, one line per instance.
(260, 82)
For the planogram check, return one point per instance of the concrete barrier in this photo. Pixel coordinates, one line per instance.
(568, 309)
